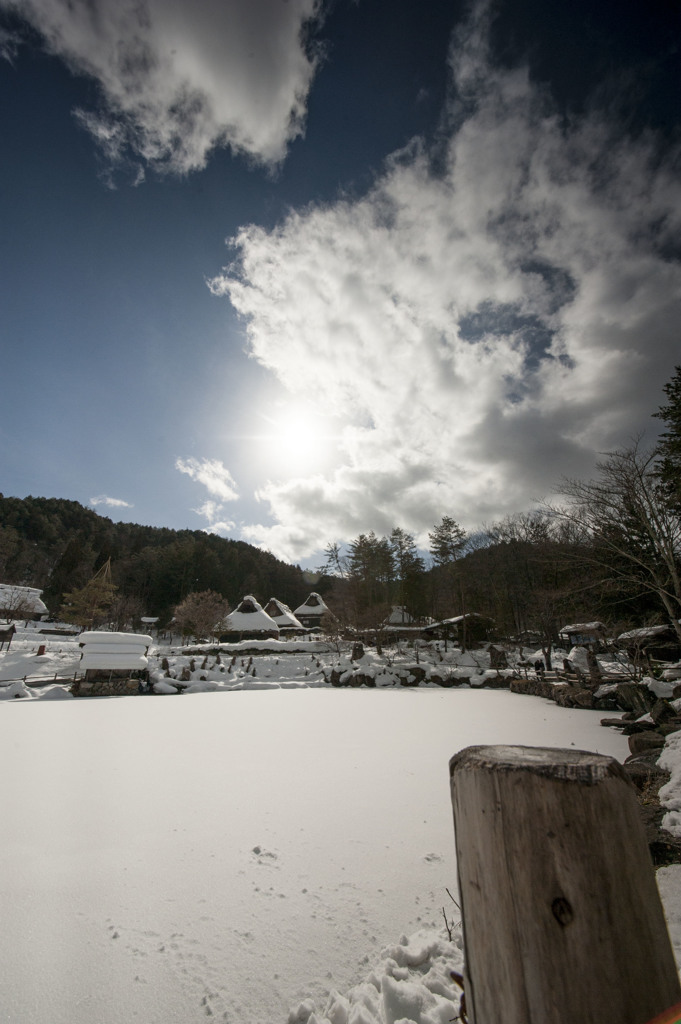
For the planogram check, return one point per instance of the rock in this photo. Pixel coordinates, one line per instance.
(497, 682)
(582, 699)
(633, 697)
(641, 741)
(445, 681)
(357, 652)
(606, 703)
(644, 771)
(408, 679)
(669, 727)
(614, 723)
(662, 712)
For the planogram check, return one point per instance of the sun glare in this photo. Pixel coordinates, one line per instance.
(296, 440)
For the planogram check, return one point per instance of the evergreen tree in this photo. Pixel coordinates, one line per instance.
(447, 541)
(409, 572)
(371, 572)
(669, 444)
(89, 607)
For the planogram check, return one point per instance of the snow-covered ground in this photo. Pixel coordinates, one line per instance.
(236, 855)
(253, 857)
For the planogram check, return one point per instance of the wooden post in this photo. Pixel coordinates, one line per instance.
(561, 915)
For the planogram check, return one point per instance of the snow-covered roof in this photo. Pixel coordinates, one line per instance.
(13, 598)
(282, 614)
(97, 637)
(312, 605)
(109, 650)
(249, 616)
(460, 618)
(583, 627)
(644, 632)
(399, 616)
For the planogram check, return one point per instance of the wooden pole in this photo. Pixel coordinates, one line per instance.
(561, 915)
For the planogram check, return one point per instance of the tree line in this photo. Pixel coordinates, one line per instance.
(60, 546)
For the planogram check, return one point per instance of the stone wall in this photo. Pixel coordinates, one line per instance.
(115, 687)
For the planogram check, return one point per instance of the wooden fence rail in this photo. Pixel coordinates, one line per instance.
(36, 681)
(561, 915)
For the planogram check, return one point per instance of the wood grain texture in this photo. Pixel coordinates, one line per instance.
(562, 919)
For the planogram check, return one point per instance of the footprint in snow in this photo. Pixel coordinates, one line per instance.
(263, 856)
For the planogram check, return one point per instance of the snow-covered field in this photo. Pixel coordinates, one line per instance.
(235, 855)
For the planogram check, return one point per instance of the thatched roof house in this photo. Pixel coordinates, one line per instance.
(282, 615)
(310, 612)
(399, 616)
(249, 621)
(21, 602)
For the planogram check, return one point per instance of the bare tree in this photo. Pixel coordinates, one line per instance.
(634, 535)
(201, 613)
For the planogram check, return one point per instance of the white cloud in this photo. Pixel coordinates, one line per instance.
(104, 499)
(211, 511)
(214, 476)
(481, 329)
(180, 78)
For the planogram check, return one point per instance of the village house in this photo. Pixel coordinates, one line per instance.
(21, 603)
(283, 616)
(249, 621)
(310, 612)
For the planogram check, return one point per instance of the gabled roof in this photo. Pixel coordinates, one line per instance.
(646, 632)
(584, 627)
(312, 605)
(282, 614)
(249, 617)
(399, 616)
(12, 597)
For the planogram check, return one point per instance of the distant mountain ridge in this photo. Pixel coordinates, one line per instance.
(57, 545)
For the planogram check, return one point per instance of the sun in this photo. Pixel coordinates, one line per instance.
(297, 439)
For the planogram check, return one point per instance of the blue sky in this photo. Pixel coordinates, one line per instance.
(292, 271)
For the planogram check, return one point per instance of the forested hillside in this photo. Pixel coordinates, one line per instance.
(58, 545)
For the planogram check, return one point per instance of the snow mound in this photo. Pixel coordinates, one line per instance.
(412, 982)
(14, 689)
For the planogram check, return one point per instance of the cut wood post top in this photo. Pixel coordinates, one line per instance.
(569, 765)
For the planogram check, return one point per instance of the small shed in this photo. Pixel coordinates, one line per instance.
(283, 616)
(249, 621)
(471, 628)
(659, 642)
(583, 634)
(310, 612)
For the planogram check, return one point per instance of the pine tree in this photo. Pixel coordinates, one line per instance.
(447, 541)
(669, 445)
(89, 606)
(409, 571)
